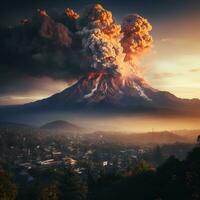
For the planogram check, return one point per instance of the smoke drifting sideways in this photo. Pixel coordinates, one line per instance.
(69, 45)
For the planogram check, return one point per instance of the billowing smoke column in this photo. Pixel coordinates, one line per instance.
(136, 37)
(101, 38)
(109, 47)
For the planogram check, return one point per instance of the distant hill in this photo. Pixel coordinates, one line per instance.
(17, 128)
(189, 134)
(143, 138)
(61, 125)
(148, 138)
(13, 126)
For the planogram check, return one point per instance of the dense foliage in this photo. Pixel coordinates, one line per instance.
(104, 169)
(7, 187)
(174, 179)
(171, 181)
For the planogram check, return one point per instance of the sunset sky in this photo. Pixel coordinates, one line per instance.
(173, 64)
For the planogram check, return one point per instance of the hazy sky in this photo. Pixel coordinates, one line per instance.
(173, 64)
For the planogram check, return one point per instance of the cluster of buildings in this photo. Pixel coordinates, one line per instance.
(77, 153)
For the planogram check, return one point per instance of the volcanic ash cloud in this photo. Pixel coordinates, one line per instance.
(136, 36)
(100, 38)
(53, 30)
(110, 46)
(70, 45)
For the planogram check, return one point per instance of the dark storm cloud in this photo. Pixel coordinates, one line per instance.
(39, 53)
(29, 89)
(31, 86)
(40, 46)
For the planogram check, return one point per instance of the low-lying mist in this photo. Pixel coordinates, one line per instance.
(113, 122)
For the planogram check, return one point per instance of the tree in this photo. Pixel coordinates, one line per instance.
(142, 167)
(50, 192)
(7, 187)
(198, 140)
(192, 173)
(157, 155)
(72, 187)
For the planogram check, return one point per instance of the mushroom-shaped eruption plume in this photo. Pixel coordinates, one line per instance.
(136, 36)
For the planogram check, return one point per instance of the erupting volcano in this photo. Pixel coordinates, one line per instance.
(105, 92)
(102, 88)
(109, 74)
(111, 51)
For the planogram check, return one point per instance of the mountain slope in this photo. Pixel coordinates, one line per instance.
(105, 91)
